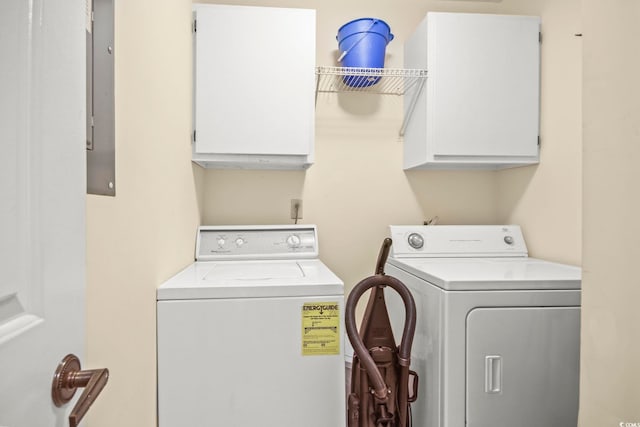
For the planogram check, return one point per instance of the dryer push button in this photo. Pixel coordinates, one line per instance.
(416, 241)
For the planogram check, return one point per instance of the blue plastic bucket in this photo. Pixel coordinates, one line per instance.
(363, 43)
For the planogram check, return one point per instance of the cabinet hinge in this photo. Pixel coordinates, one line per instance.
(194, 137)
(540, 37)
(538, 141)
(195, 25)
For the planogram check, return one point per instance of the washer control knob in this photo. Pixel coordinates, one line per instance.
(220, 242)
(508, 240)
(293, 241)
(240, 241)
(415, 240)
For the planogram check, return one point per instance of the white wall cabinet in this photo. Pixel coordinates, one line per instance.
(254, 96)
(481, 106)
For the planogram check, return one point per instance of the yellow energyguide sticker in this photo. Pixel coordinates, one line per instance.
(320, 328)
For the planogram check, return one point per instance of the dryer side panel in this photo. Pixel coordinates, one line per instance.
(428, 343)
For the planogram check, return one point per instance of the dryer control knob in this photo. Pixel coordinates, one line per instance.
(508, 240)
(293, 241)
(240, 241)
(415, 240)
(220, 242)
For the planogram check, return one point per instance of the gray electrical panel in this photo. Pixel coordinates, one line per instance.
(101, 151)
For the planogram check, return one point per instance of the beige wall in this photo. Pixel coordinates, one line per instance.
(546, 199)
(146, 233)
(610, 394)
(355, 189)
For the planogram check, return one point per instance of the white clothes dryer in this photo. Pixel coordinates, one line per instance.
(250, 334)
(497, 341)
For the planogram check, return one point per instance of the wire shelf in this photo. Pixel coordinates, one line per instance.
(381, 81)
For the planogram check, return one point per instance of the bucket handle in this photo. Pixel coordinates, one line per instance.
(364, 34)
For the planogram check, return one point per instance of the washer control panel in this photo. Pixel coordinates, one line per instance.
(457, 241)
(256, 242)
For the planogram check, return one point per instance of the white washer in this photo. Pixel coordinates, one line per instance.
(250, 334)
(497, 341)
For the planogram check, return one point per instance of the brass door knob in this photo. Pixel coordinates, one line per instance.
(68, 378)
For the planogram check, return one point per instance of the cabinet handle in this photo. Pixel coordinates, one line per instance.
(68, 378)
(493, 374)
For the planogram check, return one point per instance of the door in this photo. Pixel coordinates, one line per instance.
(523, 366)
(42, 208)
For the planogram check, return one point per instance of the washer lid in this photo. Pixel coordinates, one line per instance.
(255, 270)
(474, 274)
(251, 279)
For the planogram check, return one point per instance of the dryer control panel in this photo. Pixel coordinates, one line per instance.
(416, 241)
(256, 242)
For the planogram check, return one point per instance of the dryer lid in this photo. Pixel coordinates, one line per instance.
(480, 274)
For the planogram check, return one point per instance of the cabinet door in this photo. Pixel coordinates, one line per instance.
(254, 80)
(481, 105)
(523, 366)
(483, 84)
